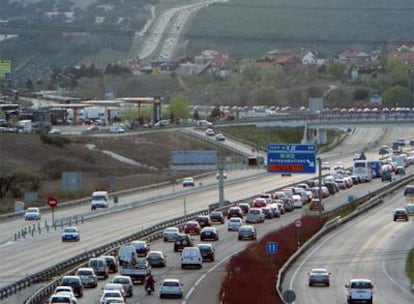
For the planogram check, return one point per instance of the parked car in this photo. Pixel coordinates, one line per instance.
(188, 182)
(318, 276)
(141, 247)
(210, 132)
(247, 232)
(208, 251)
(32, 214)
(181, 241)
(74, 282)
(70, 233)
(217, 217)
(220, 137)
(117, 129)
(400, 214)
(209, 233)
(156, 258)
(192, 227)
(171, 288)
(126, 282)
(87, 276)
(170, 233)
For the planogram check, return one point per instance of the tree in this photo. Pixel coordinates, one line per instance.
(179, 108)
(397, 96)
(336, 70)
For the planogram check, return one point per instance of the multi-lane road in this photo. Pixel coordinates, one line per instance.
(30, 255)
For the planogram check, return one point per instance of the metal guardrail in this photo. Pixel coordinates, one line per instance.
(366, 202)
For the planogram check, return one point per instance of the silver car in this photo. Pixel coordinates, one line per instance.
(171, 288)
(247, 232)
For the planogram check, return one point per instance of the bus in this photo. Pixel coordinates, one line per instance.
(363, 170)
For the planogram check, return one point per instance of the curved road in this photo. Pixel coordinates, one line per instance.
(372, 246)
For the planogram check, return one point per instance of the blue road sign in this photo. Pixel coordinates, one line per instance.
(291, 158)
(272, 247)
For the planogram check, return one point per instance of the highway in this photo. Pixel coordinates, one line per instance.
(48, 249)
(372, 246)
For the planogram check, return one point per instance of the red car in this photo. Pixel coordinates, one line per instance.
(259, 202)
(192, 227)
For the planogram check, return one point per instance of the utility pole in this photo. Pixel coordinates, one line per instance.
(221, 182)
(320, 184)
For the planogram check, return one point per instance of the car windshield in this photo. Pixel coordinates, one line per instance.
(84, 272)
(70, 229)
(171, 284)
(361, 285)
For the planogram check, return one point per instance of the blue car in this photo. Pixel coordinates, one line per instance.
(70, 234)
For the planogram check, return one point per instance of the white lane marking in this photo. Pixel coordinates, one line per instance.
(188, 295)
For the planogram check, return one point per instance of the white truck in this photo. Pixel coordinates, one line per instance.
(130, 265)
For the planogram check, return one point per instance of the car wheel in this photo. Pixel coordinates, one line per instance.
(239, 238)
(161, 296)
(327, 284)
(310, 284)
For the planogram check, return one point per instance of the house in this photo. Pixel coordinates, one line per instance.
(352, 56)
(312, 59)
(405, 56)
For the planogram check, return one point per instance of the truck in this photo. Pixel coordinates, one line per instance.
(130, 265)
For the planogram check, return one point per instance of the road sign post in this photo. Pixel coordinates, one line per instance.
(52, 202)
(291, 158)
(272, 247)
(298, 225)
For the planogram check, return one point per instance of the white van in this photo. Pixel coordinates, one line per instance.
(191, 256)
(99, 199)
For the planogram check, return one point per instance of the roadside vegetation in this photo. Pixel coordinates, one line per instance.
(409, 268)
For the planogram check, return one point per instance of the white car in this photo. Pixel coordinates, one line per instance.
(171, 288)
(234, 223)
(170, 233)
(326, 166)
(115, 286)
(188, 182)
(210, 132)
(111, 294)
(70, 234)
(359, 290)
(117, 129)
(32, 213)
(339, 166)
(62, 298)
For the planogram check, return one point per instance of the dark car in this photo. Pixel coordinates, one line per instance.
(209, 233)
(247, 232)
(332, 187)
(400, 214)
(111, 262)
(141, 247)
(157, 259)
(234, 212)
(183, 240)
(217, 217)
(208, 252)
(74, 282)
(386, 176)
(204, 220)
(244, 207)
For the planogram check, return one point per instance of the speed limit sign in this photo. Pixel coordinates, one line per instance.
(298, 223)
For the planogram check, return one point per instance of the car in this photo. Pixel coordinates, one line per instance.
(234, 211)
(247, 232)
(326, 166)
(32, 214)
(400, 170)
(92, 129)
(111, 262)
(111, 294)
(244, 207)
(114, 301)
(339, 166)
(54, 131)
(170, 287)
(255, 215)
(74, 282)
(316, 204)
(126, 282)
(209, 233)
(192, 227)
(62, 298)
(100, 267)
(204, 220)
(259, 202)
(181, 241)
(359, 290)
(220, 137)
(191, 257)
(386, 176)
(141, 247)
(217, 217)
(115, 286)
(188, 182)
(400, 214)
(234, 224)
(170, 233)
(210, 132)
(87, 276)
(268, 212)
(117, 129)
(66, 289)
(70, 233)
(208, 251)
(156, 258)
(410, 209)
(318, 276)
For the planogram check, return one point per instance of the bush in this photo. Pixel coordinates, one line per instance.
(252, 274)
